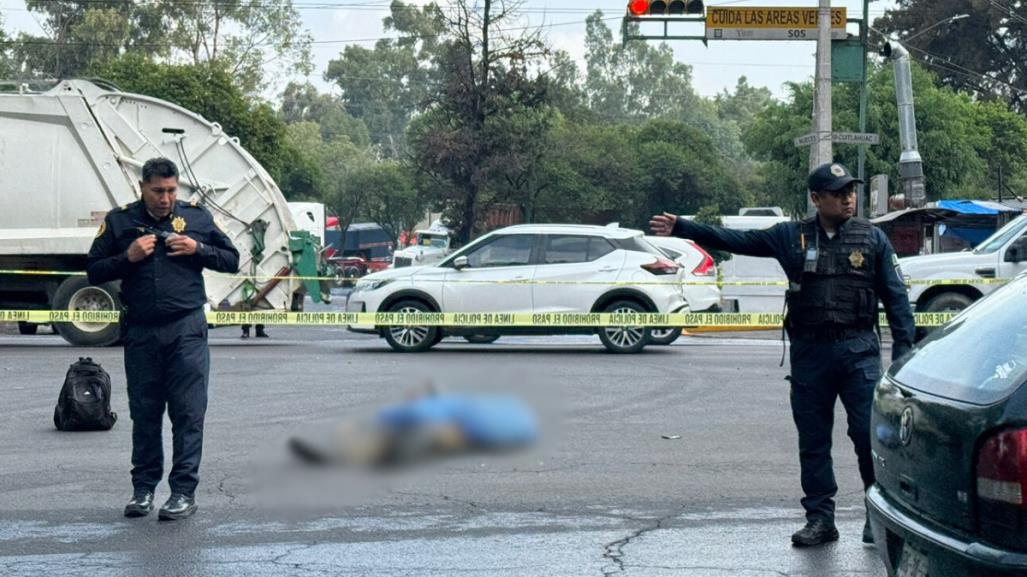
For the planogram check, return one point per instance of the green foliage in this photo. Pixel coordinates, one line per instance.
(963, 142)
(984, 55)
(247, 38)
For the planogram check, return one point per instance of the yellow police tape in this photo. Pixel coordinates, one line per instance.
(768, 283)
(687, 320)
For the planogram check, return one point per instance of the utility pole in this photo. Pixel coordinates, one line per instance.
(864, 29)
(822, 151)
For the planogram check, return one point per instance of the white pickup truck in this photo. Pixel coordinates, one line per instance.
(1003, 255)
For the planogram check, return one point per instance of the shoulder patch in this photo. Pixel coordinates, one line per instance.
(102, 229)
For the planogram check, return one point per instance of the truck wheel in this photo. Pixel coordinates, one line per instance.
(947, 302)
(624, 340)
(27, 328)
(411, 339)
(76, 294)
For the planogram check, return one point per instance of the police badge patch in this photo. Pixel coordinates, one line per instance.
(856, 259)
(178, 224)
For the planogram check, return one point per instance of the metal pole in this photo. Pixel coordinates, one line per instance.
(822, 151)
(864, 28)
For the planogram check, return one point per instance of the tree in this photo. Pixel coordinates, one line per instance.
(634, 81)
(243, 37)
(985, 54)
(387, 85)
(962, 141)
(391, 200)
(81, 33)
(465, 144)
(303, 103)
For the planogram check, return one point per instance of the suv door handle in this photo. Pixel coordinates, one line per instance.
(985, 272)
(608, 269)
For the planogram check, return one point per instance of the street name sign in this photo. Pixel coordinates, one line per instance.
(841, 138)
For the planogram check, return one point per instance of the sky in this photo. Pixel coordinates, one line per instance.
(334, 23)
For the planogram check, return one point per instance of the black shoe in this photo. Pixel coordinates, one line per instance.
(178, 506)
(263, 335)
(140, 505)
(245, 335)
(868, 535)
(816, 532)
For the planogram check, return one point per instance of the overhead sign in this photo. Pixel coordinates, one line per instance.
(770, 23)
(841, 138)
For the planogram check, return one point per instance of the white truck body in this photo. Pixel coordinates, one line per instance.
(753, 299)
(71, 154)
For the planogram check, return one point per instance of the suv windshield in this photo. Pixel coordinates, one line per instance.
(980, 357)
(1002, 236)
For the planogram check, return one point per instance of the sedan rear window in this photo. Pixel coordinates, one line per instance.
(980, 357)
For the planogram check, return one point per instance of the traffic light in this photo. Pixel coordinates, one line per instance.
(661, 7)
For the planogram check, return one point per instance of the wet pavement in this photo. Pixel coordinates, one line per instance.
(603, 494)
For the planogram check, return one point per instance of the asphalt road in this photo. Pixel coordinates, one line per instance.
(603, 494)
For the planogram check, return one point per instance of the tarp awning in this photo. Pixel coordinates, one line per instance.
(974, 206)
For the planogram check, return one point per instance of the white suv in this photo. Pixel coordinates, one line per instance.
(472, 280)
(698, 267)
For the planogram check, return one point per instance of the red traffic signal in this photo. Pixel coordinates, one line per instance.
(660, 7)
(638, 7)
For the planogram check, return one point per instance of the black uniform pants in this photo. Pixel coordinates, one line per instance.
(823, 372)
(167, 366)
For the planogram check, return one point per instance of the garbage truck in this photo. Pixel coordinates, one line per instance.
(71, 153)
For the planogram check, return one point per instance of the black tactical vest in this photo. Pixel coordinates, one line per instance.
(840, 293)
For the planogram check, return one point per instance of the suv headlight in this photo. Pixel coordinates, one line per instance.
(370, 285)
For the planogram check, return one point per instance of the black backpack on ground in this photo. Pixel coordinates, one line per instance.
(85, 401)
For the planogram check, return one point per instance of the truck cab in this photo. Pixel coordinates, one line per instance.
(429, 247)
(951, 282)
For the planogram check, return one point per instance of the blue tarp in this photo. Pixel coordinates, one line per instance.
(974, 206)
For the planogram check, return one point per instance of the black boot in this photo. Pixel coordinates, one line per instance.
(178, 506)
(816, 532)
(261, 334)
(141, 504)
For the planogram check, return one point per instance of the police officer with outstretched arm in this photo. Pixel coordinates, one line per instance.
(838, 267)
(158, 247)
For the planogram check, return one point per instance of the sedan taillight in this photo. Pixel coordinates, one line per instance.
(1002, 468)
(662, 266)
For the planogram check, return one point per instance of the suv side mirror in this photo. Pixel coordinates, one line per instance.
(1017, 252)
(461, 263)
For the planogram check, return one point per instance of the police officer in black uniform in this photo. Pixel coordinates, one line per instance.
(838, 267)
(158, 247)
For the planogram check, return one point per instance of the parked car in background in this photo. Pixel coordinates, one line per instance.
(482, 277)
(949, 440)
(698, 267)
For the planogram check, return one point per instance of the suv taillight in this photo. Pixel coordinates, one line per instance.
(662, 266)
(1002, 468)
(707, 266)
